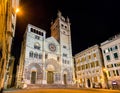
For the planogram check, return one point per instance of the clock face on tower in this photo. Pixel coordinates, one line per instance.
(65, 32)
(52, 47)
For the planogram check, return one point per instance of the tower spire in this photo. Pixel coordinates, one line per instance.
(68, 20)
(59, 14)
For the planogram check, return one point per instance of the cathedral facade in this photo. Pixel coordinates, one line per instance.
(47, 60)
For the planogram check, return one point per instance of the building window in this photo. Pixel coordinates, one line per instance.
(89, 56)
(40, 33)
(65, 55)
(116, 47)
(36, 55)
(97, 63)
(31, 54)
(67, 62)
(63, 61)
(57, 77)
(83, 59)
(37, 46)
(110, 66)
(113, 48)
(64, 46)
(32, 30)
(40, 56)
(13, 26)
(37, 37)
(92, 64)
(36, 31)
(117, 72)
(114, 73)
(83, 67)
(115, 55)
(94, 55)
(86, 66)
(109, 73)
(57, 58)
(108, 57)
(46, 56)
(78, 61)
(65, 26)
(106, 50)
(62, 25)
(115, 65)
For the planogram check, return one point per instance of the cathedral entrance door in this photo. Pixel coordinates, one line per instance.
(65, 79)
(33, 77)
(50, 77)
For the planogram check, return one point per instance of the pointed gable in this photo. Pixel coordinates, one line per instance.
(52, 40)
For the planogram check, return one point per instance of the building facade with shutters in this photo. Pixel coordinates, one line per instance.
(111, 55)
(47, 60)
(89, 68)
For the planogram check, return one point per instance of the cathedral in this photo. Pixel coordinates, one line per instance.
(47, 60)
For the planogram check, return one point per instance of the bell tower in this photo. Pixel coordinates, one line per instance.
(60, 30)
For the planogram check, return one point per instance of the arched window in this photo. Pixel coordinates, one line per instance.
(37, 46)
(31, 54)
(32, 30)
(40, 56)
(35, 55)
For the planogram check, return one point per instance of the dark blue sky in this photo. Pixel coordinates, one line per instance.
(92, 21)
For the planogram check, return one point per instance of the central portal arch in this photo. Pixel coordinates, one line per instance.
(33, 77)
(50, 77)
(52, 67)
(50, 74)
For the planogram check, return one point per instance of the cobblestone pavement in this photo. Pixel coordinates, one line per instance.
(61, 91)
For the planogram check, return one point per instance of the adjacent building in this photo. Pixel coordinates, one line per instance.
(89, 68)
(111, 55)
(46, 60)
(7, 31)
(10, 72)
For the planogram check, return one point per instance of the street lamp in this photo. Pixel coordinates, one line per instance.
(105, 70)
(17, 10)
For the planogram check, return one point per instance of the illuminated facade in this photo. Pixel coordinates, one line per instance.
(47, 60)
(111, 55)
(89, 68)
(7, 30)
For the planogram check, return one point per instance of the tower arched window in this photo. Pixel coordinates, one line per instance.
(37, 45)
(31, 54)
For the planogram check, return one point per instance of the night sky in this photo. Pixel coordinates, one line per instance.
(92, 21)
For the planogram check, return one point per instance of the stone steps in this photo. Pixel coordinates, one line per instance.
(49, 86)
